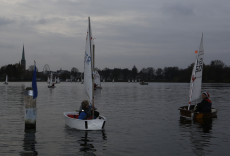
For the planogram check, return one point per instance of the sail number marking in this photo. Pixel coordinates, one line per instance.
(199, 65)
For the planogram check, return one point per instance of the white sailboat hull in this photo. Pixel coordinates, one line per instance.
(92, 124)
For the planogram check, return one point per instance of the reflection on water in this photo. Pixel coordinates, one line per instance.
(29, 143)
(204, 124)
(87, 140)
(86, 144)
(199, 133)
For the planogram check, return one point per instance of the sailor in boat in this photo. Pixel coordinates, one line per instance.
(86, 111)
(205, 105)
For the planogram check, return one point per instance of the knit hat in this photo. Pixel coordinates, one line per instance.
(206, 94)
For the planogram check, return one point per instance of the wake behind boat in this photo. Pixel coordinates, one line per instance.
(195, 90)
(72, 118)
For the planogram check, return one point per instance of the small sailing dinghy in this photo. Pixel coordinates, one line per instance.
(71, 118)
(96, 75)
(143, 83)
(97, 80)
(195, 89)
(6, 82)
(51, 83)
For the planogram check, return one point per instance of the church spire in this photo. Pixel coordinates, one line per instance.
(23, 60)
(23, 54)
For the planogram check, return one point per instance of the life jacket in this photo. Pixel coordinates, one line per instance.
(81, 115)
(88, 114)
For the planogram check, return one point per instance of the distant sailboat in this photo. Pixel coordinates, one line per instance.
(97, 80)
(71, 118)
(96, 75)
(195, 89)
(58, 80)
(144, 83)
(51, 83)
(6, 81)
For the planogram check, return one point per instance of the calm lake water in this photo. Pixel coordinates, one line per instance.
(141, 120)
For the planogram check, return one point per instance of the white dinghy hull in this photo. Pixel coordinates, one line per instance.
(92, 124)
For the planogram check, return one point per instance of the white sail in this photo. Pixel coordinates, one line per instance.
(51, 79)
(6, 78)
(196, 78)
(58, 80)
(88, 79)
(97, 78)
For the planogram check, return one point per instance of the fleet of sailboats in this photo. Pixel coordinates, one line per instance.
(92, 80)
(195, 88)
(71, 118)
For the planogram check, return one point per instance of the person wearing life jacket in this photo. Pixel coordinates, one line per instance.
(86, 111)
(205, 105)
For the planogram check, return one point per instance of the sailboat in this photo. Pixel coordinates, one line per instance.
(144, 83)
(58, 80)
(71, 118)
(97, 80)
(55, 80)
(96, 75)
(6, 82)
(195, 89)
(51, 83)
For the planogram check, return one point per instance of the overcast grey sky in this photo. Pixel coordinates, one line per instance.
(145, 33)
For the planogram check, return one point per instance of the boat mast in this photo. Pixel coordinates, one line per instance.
(93, 56)
(92, 65)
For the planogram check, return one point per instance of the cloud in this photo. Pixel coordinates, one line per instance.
(178, 9)
(5, 21)
(145, 33)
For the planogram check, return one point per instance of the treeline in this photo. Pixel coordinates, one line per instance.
(15, 72)
(215, 72)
